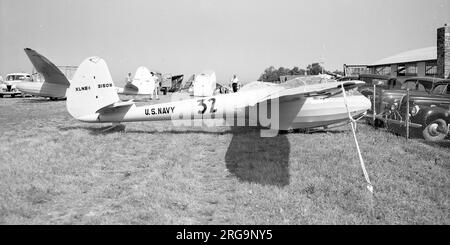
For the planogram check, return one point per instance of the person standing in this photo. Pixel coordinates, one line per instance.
(234, 83)
(156, 90)
(128, 79)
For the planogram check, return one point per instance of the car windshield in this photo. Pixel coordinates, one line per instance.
(17, 77)
(426, 85)
(440, 89)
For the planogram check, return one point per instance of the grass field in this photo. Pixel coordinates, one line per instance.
(56, 170)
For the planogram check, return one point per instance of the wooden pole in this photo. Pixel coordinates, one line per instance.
(374, 111)
(407, 113)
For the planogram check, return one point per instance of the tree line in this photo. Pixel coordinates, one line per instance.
(272, 75)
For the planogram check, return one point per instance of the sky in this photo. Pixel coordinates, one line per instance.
(241, 37)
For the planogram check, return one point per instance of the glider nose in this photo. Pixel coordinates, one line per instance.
(365, 103)
(359, 103)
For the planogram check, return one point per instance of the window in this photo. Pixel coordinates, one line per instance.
(431, 69)
(427, 85)
(15, 77)
(420, 87)
(401, 70)
(411, 69)
(383, 70)
(440, 89)
(392, 83)
(411, 84)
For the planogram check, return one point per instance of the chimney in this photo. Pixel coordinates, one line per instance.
(443, 51)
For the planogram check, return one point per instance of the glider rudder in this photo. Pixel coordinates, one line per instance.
(91, 89)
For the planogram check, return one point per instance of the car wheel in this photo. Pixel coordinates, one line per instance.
(1, 95)
(13, 95)
(437, 130)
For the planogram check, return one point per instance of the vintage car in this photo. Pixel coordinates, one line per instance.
(8, 86)
(382, 82)
(429, 106)
(177, 81)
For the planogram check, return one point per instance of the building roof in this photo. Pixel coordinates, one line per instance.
(422, 54)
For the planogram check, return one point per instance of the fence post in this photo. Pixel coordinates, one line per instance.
(407, 114)
(374, 111)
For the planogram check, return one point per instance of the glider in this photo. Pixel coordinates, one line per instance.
(55, 84)
(92, 98)
(143, 83)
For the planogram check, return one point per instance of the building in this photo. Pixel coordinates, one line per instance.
(424, 62)
(352, 70)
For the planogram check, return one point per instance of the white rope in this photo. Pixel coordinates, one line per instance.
(353, 124)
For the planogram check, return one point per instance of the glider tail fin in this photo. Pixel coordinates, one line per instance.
(91, 89)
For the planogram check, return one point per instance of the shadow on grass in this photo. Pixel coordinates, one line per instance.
(256, 159)
(96, 130)
(33, 100)
(320, 131)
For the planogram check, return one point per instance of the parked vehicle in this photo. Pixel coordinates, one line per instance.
(177, 82)
(8, 86)
(170, 83)
(429, 106)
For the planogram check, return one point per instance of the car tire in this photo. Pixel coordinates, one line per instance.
(430, 132)
(13, 95)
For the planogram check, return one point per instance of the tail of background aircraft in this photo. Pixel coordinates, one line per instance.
(142, 74)
(91, 89)
(52, 74)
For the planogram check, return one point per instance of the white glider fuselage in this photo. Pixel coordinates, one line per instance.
(212, 107)
(92, 97)
(315, 112)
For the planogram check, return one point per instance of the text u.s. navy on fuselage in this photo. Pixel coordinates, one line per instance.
(159, 110)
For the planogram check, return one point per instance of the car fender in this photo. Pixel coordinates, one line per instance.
(430, 114)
